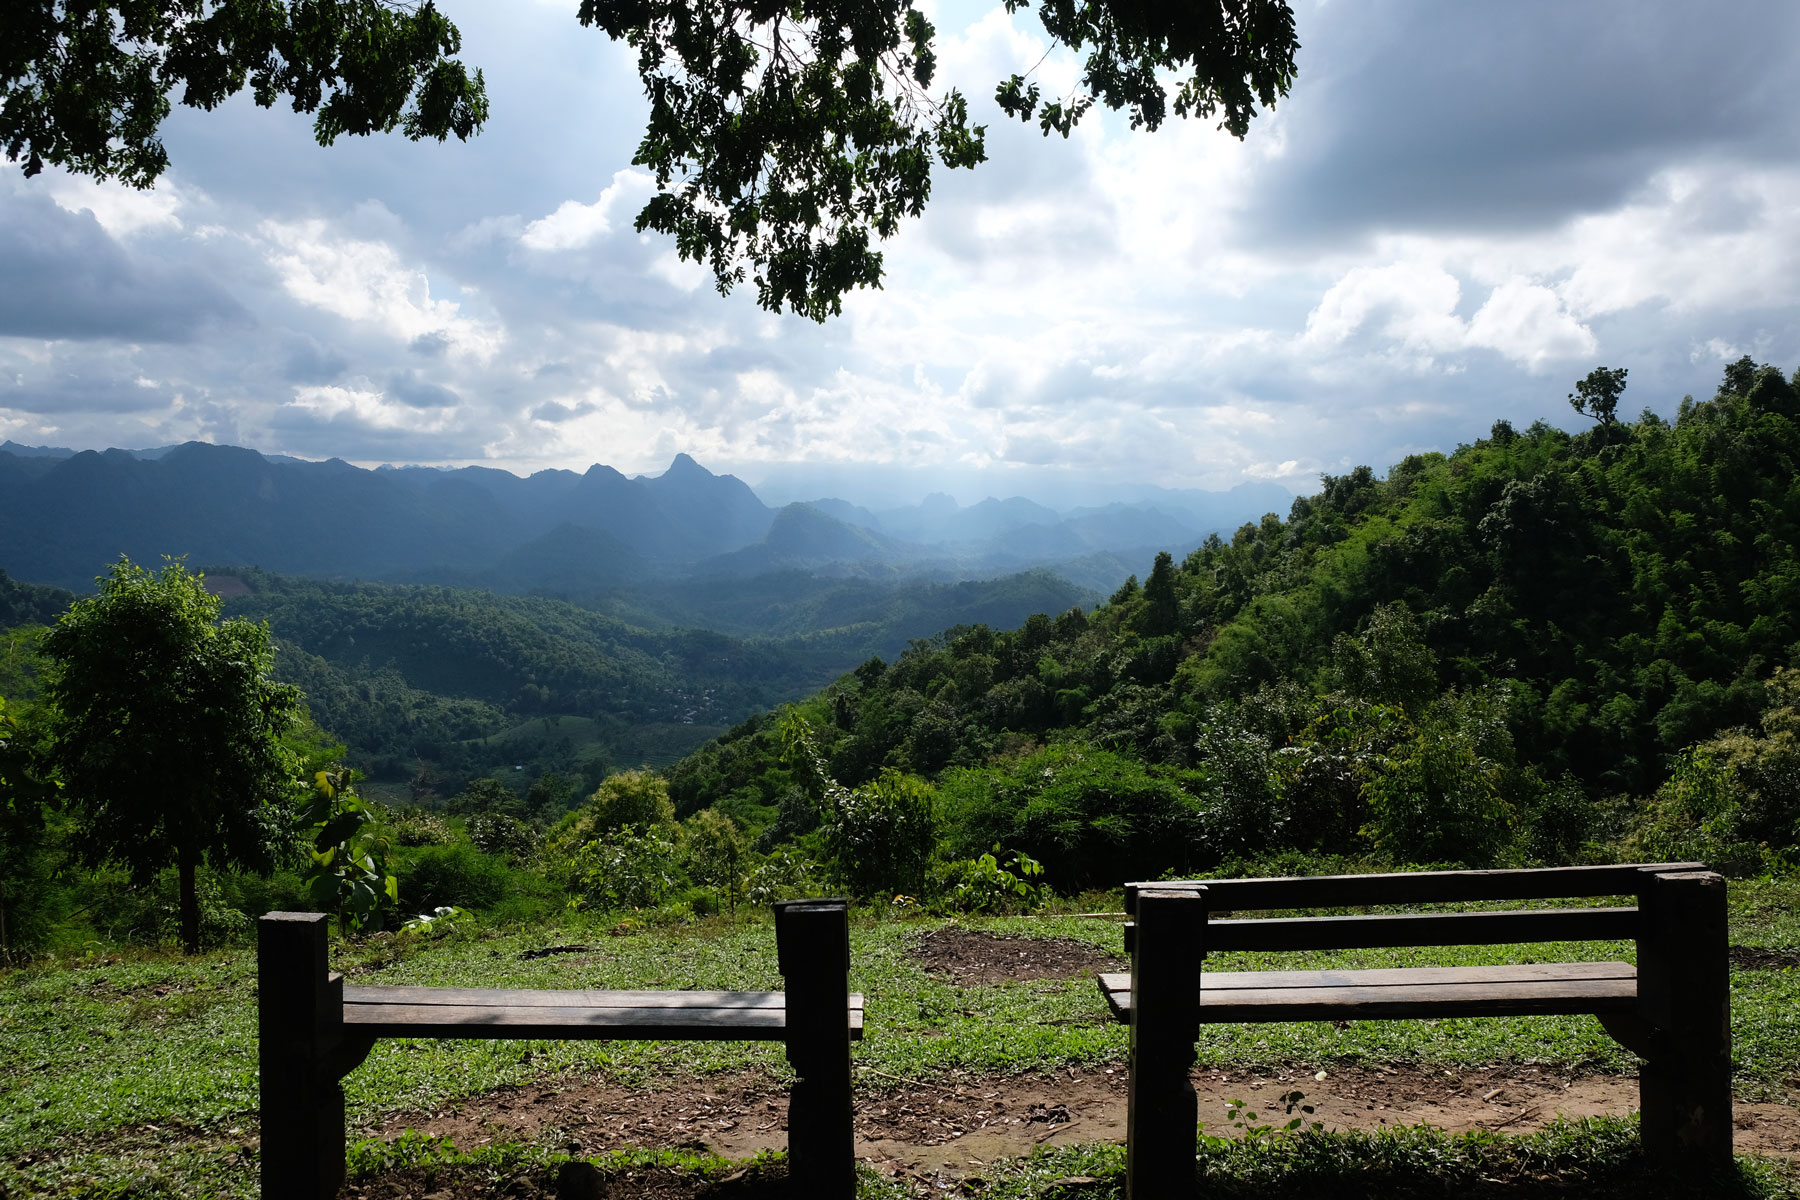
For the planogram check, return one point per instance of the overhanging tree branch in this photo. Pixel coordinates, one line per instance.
(787, 137)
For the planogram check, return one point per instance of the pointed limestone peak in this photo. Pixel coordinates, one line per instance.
(684, 464)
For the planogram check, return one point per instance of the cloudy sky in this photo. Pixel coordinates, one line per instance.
(1461, 209)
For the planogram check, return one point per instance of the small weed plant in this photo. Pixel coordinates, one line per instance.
(982, 885)
(1246, 1125)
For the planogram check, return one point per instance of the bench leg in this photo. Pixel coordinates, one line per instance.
(299, 1015)
(1162, 1115)
(1685, 996)
(812, 939)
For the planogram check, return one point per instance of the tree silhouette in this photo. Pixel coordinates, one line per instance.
(786, 139)
(1597, 396)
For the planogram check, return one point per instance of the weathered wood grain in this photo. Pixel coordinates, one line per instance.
(1422, 887)
(1161, 1110)
(562, 997)
(313, 1030)
(495, 1019)
(1673, 1008)
(1533, 989)
(1387, 930)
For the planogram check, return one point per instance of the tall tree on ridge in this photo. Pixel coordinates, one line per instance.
(1597, 396)
(165, 730)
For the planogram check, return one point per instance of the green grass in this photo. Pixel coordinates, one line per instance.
(1595, 1159)
(137, 1070)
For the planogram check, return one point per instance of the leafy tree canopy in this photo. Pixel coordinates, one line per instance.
(632, 798)
(785, 138)
(1597, 396)
(166, 731)
(25, 795)
(86, 86)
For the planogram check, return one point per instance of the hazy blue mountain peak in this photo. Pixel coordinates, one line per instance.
(11, 447)
(939, 503)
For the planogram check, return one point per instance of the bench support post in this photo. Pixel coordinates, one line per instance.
(299, 1019)
(812, 940)
(1162, 1114)
(1684, 994)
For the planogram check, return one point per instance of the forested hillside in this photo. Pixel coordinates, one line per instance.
(414, 678)
(1499, 653)
(454, 683)
(29, 604)
(883, 615)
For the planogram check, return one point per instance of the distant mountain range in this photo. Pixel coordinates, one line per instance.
(69, 514)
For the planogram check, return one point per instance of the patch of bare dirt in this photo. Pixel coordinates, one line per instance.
(935, 1131)
(972, 958)
(733, 1115)
(1761, 958)
(940, 1132)
(573, 1181)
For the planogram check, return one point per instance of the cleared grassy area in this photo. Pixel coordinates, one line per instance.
(137, 1070)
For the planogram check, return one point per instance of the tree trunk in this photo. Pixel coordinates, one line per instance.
(190, 900)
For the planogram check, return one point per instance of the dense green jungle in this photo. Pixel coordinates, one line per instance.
(1542, 647)
(458, 683)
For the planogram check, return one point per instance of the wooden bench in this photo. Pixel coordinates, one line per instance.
(1672, 1007)
(313, 1031)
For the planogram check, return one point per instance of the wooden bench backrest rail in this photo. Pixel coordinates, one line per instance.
(1672, 1007)
(1421, 887)
(312, 1031)
(1387, 930)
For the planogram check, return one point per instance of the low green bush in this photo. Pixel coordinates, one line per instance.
(783, 874)
(254, 895)
(416, 827)
(148, 914)
(1093, 817)
(632, 867)
(457, 875)
(499, 833)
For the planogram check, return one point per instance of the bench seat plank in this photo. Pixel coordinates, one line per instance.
(1530, 989)
(561, 998)
(577, 1015)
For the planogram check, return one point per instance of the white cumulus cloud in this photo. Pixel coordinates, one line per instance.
(367, 282)
(1528, 324)
(574, 225)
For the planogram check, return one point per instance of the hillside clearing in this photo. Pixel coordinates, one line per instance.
(135, 1072)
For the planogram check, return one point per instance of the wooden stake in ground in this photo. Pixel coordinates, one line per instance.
(1161, 1109)
(812, 940)
(302, 1053)
(1685, 997)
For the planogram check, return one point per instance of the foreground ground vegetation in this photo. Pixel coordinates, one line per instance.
(990, 1064)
